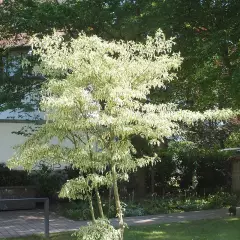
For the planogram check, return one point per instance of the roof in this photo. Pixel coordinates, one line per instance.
(19, 40)
(234, 158)
(237, 149)
(18, 115)
(22, 121)
(236, 120)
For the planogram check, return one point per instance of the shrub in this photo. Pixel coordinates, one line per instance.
(13, 177)
(76, 210)
(99, 230)
(222, 199)
(132, 209)
(193, 205)
(48, 181)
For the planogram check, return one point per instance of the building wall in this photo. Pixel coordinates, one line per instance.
(8, 140)
(236, 176)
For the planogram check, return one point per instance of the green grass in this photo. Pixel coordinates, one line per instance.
(221, 229)
(224, 229)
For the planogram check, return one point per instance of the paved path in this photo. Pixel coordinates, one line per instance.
(21, 223)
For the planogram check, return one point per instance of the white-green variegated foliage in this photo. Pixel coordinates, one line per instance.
(100, 230)
(96, 98)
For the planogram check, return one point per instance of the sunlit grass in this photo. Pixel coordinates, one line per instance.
(221, 229)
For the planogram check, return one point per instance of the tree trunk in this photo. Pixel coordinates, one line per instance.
(99, 203)
(91, 208)
(109, 201)
(117, 202)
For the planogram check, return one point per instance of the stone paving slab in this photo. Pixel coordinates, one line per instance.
(22, 223)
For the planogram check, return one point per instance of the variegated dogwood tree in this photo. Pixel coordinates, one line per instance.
(96, 98)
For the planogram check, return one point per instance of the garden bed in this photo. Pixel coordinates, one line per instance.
(78, 210)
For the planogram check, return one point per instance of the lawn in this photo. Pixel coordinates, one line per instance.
(221, 229)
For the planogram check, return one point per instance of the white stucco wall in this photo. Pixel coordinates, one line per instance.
(8, 140)
(8, 125)
(13, 121)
